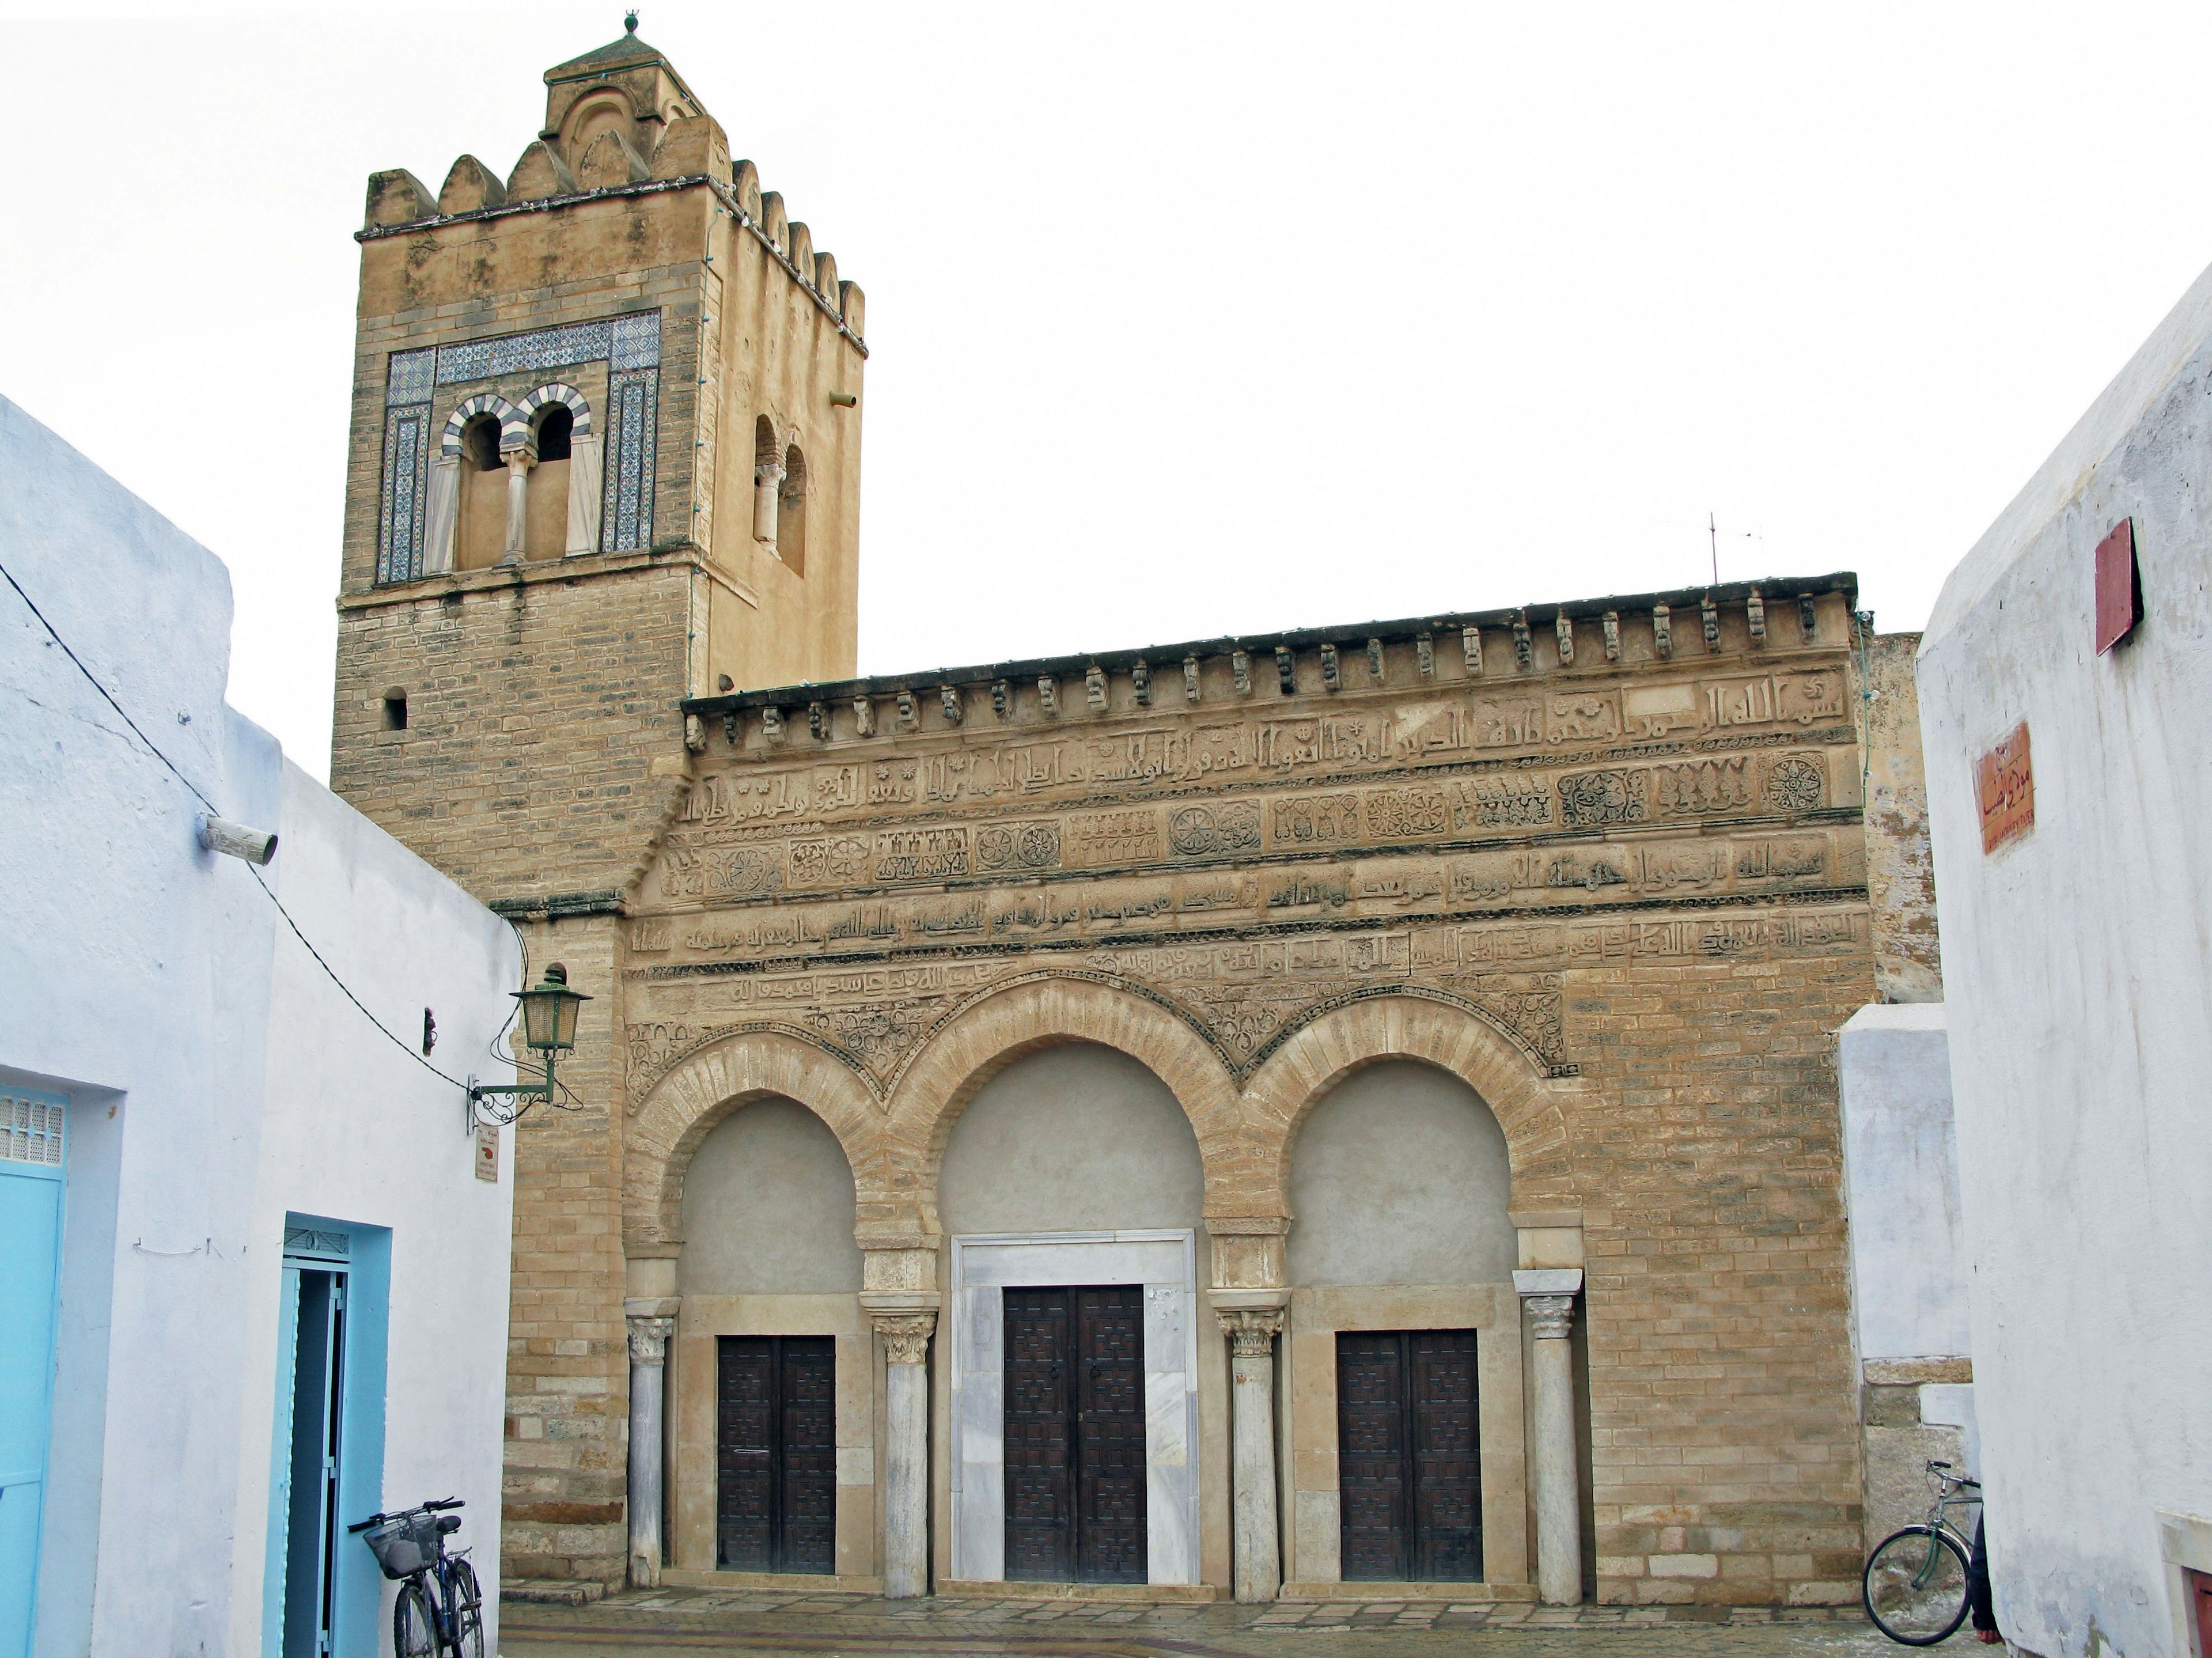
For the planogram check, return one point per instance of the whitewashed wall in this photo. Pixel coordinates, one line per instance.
(2075, 962)
(216, 1079)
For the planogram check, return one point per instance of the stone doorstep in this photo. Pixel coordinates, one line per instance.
(770, 1582)
(550, 1592)
(1463, 1593)
(1170, 1594)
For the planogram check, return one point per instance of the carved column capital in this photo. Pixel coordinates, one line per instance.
(906, 1336)
(1551, 1316)
(520, 460)
(648, 1339)
(1251, 1330)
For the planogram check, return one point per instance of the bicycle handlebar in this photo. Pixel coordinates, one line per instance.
(431, 1507)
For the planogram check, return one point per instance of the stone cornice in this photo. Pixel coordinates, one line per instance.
(502, 577)
(1164, 660)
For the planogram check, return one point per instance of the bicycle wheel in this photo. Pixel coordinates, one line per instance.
(467, 1608)
(1915, 1587)
(414, 1631)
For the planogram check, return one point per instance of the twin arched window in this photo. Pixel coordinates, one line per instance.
(780, 496)
(509, 480)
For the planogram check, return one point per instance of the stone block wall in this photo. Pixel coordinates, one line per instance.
(569, 1367)
(1722, 1395)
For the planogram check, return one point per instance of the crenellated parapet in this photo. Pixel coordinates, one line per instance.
(619, 122)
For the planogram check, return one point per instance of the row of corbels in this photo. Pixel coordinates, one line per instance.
(913, 708)
(692, 147)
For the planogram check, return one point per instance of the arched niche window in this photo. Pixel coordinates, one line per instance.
(545, 515)
(791, 513)
(767, 473)
(481, 523)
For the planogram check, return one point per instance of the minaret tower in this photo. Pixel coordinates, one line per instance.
(605, 455)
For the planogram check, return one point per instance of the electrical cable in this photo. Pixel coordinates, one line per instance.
(401, 1043)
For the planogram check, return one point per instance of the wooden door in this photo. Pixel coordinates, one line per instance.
(776, 1453)
(1409, 1471)
(1075, 1434)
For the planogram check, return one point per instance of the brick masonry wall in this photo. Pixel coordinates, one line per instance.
(543, 747)
(1724, 1438)
(569, 1366)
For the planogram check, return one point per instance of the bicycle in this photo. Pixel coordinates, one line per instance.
(440, 1604)
(1915, 1587)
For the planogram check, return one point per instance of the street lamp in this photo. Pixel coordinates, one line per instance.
(549, 1026)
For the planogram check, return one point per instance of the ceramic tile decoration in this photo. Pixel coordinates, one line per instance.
(399, 528)
(629, 343)
(633, 398)
(410, 376)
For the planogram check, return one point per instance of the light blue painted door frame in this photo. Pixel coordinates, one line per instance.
(33, 1126)
(359, 1258)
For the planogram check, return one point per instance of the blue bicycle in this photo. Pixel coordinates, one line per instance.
(440, 1604)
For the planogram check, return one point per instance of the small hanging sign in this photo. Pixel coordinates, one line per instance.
(488, 1152)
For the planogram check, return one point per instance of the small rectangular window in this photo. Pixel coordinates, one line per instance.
(395, 711)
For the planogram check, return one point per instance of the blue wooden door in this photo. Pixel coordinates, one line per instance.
(31, 1149)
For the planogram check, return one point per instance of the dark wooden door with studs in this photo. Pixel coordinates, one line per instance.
(776, 1435)
(1409, 1467)
(1075, 1434)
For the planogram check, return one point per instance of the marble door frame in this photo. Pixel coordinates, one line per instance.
(1165, 1263)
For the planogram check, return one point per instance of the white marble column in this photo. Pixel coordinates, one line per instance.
(1255, 1516)
(519, 463)
(1549, 1295)
(906, 1451)
(651, 1324)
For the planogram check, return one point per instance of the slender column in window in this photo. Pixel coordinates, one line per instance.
(768, 482)
(519, 463)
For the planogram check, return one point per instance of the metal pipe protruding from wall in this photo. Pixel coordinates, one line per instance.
(235, 840)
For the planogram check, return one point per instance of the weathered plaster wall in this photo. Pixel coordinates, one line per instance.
(1908, 958)
(1909, 1264)
(216, 1079)
(768, 1208)
(1075, 1138)
(2078, 978)
(1401, 1176)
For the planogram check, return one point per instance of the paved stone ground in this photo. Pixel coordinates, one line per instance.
(683, 1621)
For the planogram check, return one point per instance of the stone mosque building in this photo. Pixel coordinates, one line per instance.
(1231, 1117)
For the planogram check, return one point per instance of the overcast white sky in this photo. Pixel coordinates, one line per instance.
(1197, 319)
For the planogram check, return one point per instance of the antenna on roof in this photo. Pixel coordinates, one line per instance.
(629, 21)
(1713, 529)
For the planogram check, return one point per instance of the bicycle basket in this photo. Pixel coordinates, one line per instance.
(404, 1545)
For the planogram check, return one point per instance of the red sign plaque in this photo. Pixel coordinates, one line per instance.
(2004, 784)
(2119, 592)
